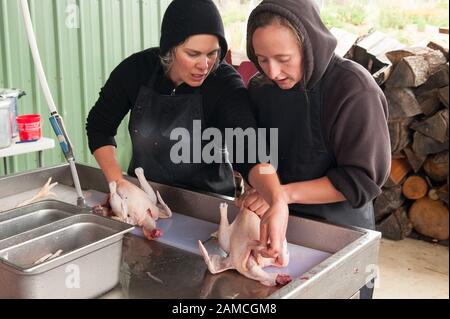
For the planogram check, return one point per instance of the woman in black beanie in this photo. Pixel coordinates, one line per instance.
(170, 87)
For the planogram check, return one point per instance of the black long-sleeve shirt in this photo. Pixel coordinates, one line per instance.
(225, 100)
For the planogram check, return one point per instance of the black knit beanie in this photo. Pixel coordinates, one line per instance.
(185, 18)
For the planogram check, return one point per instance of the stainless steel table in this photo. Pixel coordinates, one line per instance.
(154, 270)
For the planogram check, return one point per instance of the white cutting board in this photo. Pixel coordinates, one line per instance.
(184, 232)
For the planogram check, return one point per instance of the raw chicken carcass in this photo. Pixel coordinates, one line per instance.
(43, 193)
(140, 207)
(240, 241)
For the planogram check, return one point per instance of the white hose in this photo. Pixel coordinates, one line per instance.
(36, 56)
(46, 89)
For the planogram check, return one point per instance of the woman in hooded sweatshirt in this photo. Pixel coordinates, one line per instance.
(167, 90)
(334, 148)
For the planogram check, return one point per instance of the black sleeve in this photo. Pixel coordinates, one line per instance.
(234, 112)
(359, 138)
(110, 109)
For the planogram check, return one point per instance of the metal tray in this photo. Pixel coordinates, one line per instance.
(20, 220)
(88, 267)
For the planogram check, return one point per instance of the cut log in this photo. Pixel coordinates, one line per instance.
(414, 70)
(433, 194)
(435, 127)
(443, 30)
(416, 161)
(388, 201)
(408, 73)
(424, 145)
(430, 102)
(402, 103)
(442, 192)
(443, 95)
(401, 135)
(436, 167)
(439, 193)
(399, 169)
(397, 226)
(415, 187)
(361, 52)
(382, 75)
(396, 56)
(437, 80)
(430, 218)
(440, 46)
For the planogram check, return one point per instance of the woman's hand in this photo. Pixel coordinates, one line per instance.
(274, 221)
(254, 202)
(273, 228)
(127, 186)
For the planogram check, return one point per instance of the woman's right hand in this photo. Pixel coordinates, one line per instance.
(274, 221)
(125, 185)
(273, 229)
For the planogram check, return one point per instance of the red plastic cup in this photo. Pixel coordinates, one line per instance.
(29, 127)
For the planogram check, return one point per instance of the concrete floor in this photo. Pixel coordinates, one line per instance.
(412, 269)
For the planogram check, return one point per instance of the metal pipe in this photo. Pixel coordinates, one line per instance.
(55, 119)
(76, 180)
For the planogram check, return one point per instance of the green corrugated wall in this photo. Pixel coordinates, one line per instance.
(80, 43)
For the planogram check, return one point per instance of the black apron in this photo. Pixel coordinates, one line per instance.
(303, 153)
(152, 121)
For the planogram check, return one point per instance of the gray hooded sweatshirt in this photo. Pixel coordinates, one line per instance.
(355, 115)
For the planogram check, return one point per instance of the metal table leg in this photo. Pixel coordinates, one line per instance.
(5, 165)
(40, 159)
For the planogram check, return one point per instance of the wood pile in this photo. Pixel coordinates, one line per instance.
(416, 84)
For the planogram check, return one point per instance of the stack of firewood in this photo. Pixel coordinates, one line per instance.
(416, 85)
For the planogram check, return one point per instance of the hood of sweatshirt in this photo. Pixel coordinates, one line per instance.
(319, 43)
